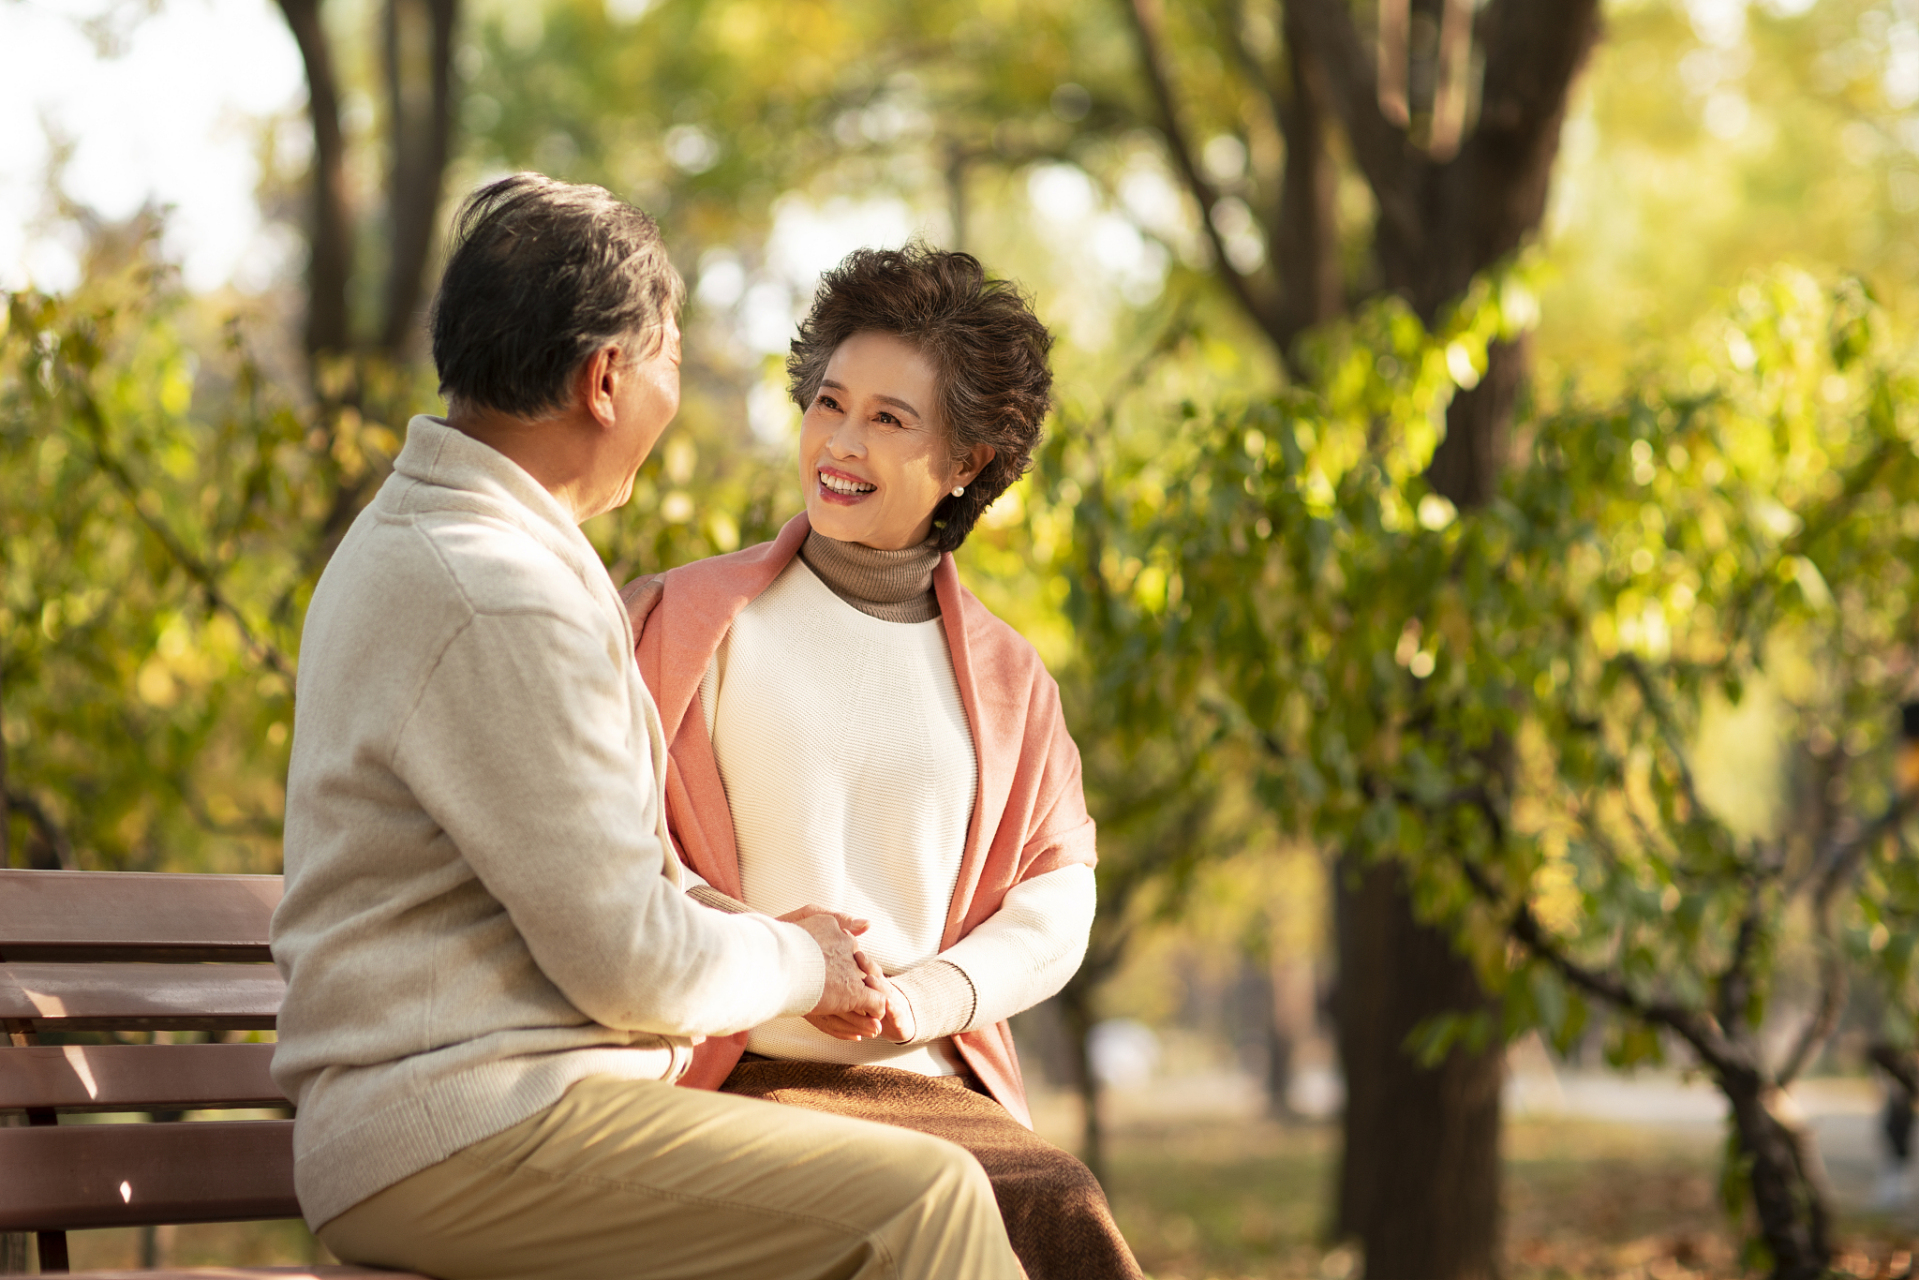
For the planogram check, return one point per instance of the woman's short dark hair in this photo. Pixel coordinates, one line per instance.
(541, 274)
(987, 347)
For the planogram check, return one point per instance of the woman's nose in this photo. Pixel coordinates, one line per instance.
(847, 441)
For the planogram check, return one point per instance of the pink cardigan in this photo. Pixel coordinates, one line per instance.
(1030, 814)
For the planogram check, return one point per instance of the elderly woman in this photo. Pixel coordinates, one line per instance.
(850, 727)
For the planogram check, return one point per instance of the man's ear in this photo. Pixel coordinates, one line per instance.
(975, 463)
(599, 383)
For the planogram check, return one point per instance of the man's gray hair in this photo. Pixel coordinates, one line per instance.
(541, 274)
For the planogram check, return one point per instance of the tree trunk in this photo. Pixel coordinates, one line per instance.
(6, 848)
(1788, 1186)
(1419, 1182)
(1420, 1185)
(330, 268)
(419, 66)
(1305, 237)
(1295, 1006)
(1076, 1013)
(1467, 465)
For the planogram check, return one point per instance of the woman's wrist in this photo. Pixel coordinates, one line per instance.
(941, 998)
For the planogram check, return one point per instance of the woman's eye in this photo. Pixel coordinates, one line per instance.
(889, 419)
(827, 401)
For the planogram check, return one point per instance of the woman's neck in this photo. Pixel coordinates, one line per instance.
(893, 586)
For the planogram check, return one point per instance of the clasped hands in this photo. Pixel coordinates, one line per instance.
(857, 1002)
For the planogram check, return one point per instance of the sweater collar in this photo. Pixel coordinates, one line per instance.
(450, 460)
(893, 586)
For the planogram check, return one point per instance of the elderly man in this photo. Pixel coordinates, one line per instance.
(493, 976)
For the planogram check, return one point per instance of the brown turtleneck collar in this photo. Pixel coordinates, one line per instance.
(893, 586)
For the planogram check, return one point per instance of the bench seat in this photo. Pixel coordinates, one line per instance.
(84, 953)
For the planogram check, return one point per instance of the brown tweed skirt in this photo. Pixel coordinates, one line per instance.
(1056, 1215)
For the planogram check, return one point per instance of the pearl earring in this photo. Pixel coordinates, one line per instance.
(959, 490)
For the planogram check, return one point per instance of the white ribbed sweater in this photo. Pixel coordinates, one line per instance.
(851, 775)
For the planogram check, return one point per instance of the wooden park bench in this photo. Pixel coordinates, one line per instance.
(88, 951)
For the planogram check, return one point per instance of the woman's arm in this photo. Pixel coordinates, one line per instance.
(1015, 958)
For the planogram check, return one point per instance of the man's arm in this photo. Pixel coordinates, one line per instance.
(524, 748)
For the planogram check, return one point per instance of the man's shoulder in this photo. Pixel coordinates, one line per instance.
(499, 567)
(464, 555)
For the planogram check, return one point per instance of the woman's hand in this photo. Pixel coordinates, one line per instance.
(898, 1023)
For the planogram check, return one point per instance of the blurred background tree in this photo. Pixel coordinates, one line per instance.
(1192, 190)
(1506, 705)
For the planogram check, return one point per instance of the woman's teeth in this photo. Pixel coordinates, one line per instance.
(840, 485)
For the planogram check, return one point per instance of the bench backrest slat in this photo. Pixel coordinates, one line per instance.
(99, 951)
(130, 1175)
(181, 997)
(94, 915)
(137, 1077)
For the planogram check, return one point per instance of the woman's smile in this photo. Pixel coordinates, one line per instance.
(842, 488)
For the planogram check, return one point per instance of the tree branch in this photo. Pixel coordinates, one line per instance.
(1231, 19)
(1449, 94)
(1858, 480)
(1655, 703)
(50, 832)
(1305, 236)
(1395, 20)
(203, 575)
(1492, 195)
(1901, 1064)
(1735, 984)
(1144, 18)
(1380, 149)
(1533, 50)
(331, 267)
(1301, 225)
(1832, 1002)
(1840, 866)
(1524, 928)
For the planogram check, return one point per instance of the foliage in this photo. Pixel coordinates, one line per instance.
(151, 492)
(1509, 701)
(1712, 140)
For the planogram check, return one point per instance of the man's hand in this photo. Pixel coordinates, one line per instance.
(850, 1004)
(852, 924)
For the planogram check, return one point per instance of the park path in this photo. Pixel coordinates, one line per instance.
(1842, 1111)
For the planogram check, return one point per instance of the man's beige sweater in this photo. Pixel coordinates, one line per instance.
(481, 905)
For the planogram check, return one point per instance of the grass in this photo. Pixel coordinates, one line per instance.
(205, 1244)
(1246, 1199)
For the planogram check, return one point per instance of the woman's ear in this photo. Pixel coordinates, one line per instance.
(975, 463)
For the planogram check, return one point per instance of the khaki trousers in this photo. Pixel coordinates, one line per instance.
(637, 1178)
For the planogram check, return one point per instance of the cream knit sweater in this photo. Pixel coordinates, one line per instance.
(481, 904)
(850, 771)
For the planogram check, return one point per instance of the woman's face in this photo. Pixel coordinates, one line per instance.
(874, 457)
